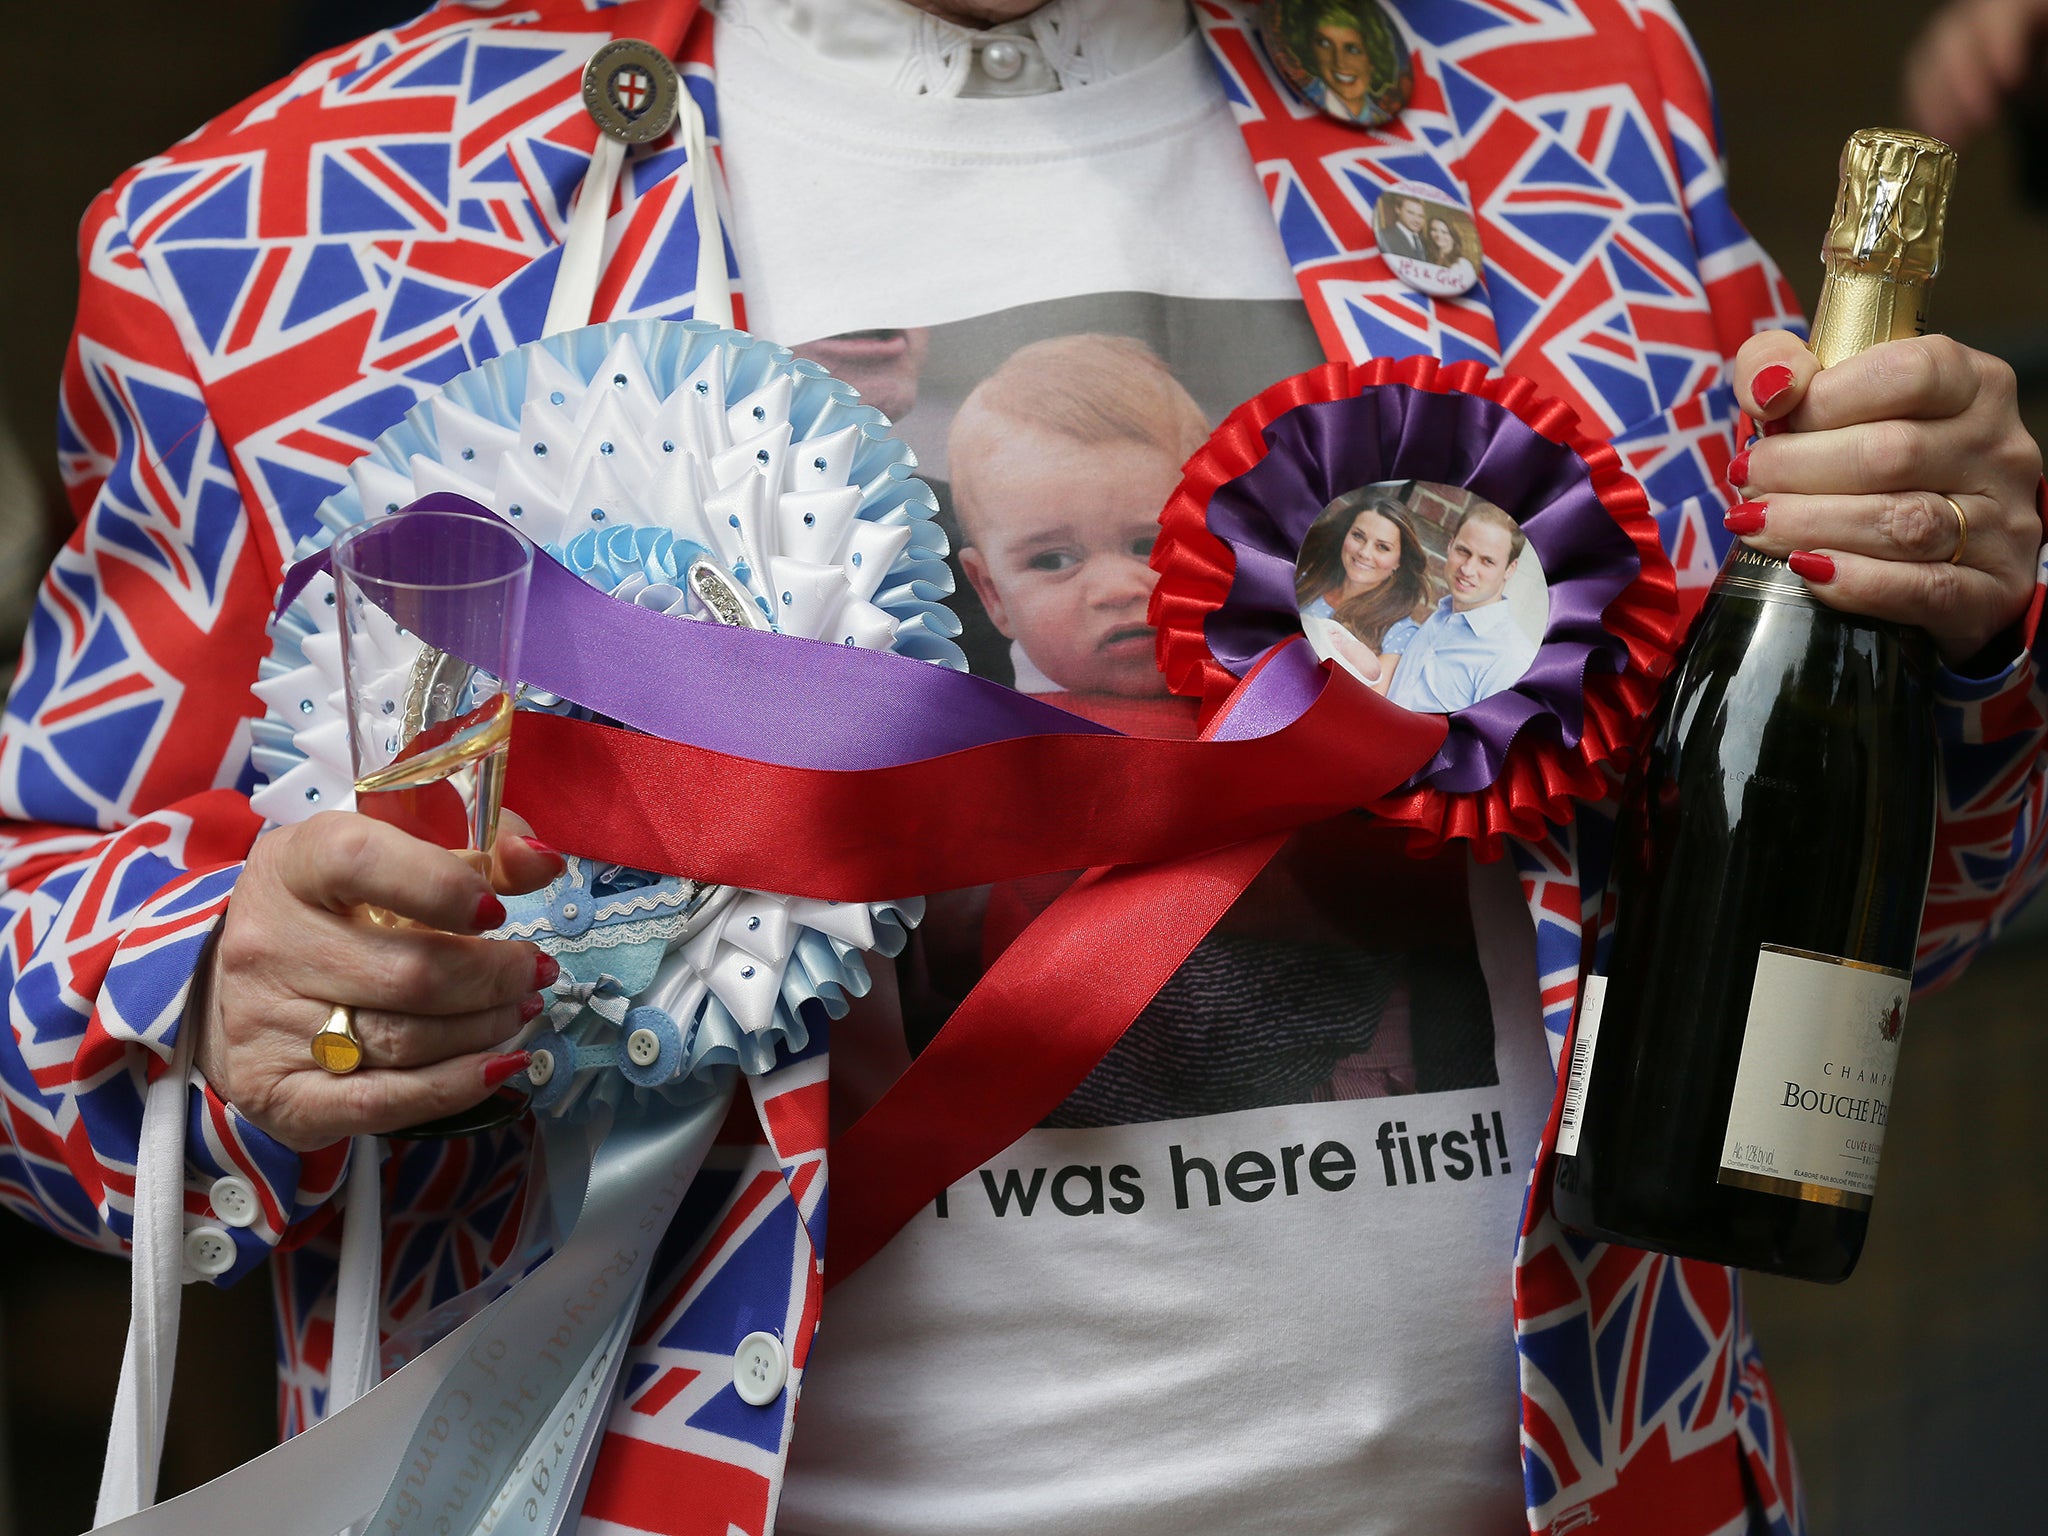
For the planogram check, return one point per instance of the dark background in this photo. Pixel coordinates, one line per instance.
(1909, 1389)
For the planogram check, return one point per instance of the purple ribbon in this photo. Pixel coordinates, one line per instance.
(776, 698)
(1322, 450)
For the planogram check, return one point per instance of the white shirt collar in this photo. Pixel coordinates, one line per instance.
(1063, 45)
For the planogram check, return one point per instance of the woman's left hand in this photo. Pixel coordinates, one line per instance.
(1870, 470)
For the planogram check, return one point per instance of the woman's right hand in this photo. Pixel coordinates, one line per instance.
(433, 1003)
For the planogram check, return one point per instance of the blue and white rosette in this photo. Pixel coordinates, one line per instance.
(706, 474)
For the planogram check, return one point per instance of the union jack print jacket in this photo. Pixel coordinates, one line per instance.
(262, 300)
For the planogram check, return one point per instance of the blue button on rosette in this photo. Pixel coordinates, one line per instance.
(710, 476)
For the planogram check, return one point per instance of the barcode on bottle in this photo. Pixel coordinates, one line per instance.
(1592, 1000)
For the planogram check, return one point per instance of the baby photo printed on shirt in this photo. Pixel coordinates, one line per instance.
(1052, 435)
(1429, 593)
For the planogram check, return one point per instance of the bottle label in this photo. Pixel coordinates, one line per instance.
(1751, 573)
(1814, 1087)
(1591, 1001)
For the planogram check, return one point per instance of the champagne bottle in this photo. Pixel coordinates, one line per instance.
(1732, 1067)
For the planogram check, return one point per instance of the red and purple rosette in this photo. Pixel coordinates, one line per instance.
(1564, 731)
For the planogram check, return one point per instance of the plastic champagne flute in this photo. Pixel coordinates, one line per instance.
(430, 724)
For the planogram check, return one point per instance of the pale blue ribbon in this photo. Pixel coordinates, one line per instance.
(549, 1339)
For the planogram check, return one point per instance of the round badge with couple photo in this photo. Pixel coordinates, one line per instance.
(1449, 541)
(1430, 242)
(1428, 593)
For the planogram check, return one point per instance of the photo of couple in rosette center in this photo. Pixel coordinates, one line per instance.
(1427, 592)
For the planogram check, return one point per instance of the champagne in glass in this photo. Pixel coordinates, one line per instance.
(447, 783)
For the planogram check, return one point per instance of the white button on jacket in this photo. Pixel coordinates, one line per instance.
(210, 1251)
(234, 1201)
(759, 1368)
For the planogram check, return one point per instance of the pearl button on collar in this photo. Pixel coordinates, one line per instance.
(1001, 58)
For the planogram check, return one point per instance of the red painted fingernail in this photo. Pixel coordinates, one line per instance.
(1818, 569)
(540, 847)
(490, 913)
(1773, 428)
(530, 1006)
(1745, 517)
(1770, 383)
(1738, 470)
(545, 969)
(498, 1068)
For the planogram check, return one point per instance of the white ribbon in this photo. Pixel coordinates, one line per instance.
(359, 1285)
(583, 245)
(142, 1401)
(714, 282)
(582, 263)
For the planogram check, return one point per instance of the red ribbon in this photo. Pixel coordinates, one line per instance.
(1171, 832)
(1026, 806)
(1023, 1040)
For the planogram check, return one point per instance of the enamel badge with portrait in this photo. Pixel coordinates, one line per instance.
(1345, 57)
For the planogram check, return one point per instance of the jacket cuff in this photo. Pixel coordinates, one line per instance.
(1986, 701)
(244, 1191)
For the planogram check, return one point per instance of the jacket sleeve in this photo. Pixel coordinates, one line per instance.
(124, 810)
(1991, 844)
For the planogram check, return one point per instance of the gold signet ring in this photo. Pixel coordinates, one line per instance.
(1962, 530)
(336, 1047)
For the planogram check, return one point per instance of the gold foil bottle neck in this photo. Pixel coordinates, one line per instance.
(1892, 205)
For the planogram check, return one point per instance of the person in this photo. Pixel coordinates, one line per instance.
(1404, 233)
(885, 364)
(1471, 647)
(1972, 61)
(1355, 585)
(1280, 1327)
(1970, 57)
(1447, 250)
(1348, 52)
(1060, 461)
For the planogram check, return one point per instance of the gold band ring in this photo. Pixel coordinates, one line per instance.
(336, 1046)
(1962, 529)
